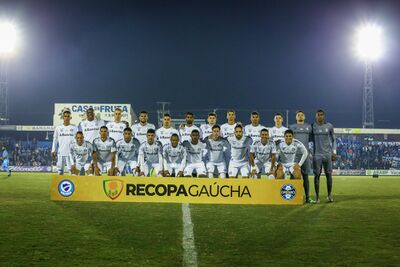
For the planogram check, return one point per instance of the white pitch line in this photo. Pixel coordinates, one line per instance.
(189, 249)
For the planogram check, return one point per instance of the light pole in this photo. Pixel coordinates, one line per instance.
(8, 43)
(369, 48)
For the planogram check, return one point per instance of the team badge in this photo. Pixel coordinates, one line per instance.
(113, 188)
(288, 192)
(66, 188)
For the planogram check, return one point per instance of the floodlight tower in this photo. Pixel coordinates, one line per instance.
(369, 48)
(8, 41)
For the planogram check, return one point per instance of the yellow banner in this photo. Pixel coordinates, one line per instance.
(177, 190)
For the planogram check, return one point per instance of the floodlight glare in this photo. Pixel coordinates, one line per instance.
(8, 38)
(369, 42)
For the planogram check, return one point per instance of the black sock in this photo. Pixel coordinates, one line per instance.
(306, 184)
(316, 185)
(329, 182)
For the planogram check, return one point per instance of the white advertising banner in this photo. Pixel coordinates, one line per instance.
(102, 111)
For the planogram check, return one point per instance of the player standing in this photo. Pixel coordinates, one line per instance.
(253, 130)
(218, 148)
(80, 156)
(206, 129)
(302, 132)
(5, 165)
(104, 150)
(116, 127)
(228, 128)
(63, 137)
(262, 156)
(150, 155)
(323, 138)
(240, 147)
(195, 150)
(287, 150)
(140, 129)
(174, 155)
(278, 131)
(164, 133)
(91, 126)
(127, 154)
(186, 130)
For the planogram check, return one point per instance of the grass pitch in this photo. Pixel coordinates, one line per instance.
(361, 228)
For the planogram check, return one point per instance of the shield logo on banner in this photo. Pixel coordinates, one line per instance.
(113, 188)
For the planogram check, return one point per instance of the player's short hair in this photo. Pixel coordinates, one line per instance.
(320, 111)
(79, 132)
(230, 110)
(66, 111)
(299, 111)
(212, 114)
(104, 127)
(143, 112)
(189, 113)
(255, 113)
(278, 114)
(174, 135)
(238, 126)
(166, 115)
(216, 126)
(288, 131)
(264, 130)
(195, 131)
(151, 131)
(127, 129)
(118, 109)
(90, 109)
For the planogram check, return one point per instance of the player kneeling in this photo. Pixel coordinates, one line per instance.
(81, 155)
(287, 150)
(217, 148)
(150, 155)
(174, 155)
(195, 152)
(262, 156)
(240, 146)
(127, 154)
(104, 150)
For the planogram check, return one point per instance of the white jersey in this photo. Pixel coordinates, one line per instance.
(217, 149)
(206, 130)
(116, 130)
(277, 134)
(240, 148)
(263, 153)
(287, 153)
(164, 135)
(128, 151)
(174, 155)
(63, 137)
(186, 131)
(253, 132)
(91, 129)
(140, 131)
(104, 149)
(228, 130)
(150, 153)
(81, 154)
(195, 152)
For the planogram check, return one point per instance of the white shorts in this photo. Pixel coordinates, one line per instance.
(236, 167)
(263, 167)
(132, 164)
(62, 162)
(82, 168)
(198, 167)
(288, 168)
(173, 168)
(147, 166)
(104, 166)
(221, 167)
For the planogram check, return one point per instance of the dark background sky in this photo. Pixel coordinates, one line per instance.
(263, 55)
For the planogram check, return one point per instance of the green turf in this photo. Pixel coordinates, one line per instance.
(360, 228)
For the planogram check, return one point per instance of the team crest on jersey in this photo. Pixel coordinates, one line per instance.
(113, 188)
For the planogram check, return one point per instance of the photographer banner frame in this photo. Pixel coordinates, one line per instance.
(177, 190)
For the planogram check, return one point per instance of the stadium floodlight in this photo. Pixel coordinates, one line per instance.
(369, 42)
(8, 37)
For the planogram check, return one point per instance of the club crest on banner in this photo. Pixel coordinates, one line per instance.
(113, 188)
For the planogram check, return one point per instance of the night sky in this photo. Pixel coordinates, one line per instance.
(200, 55)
